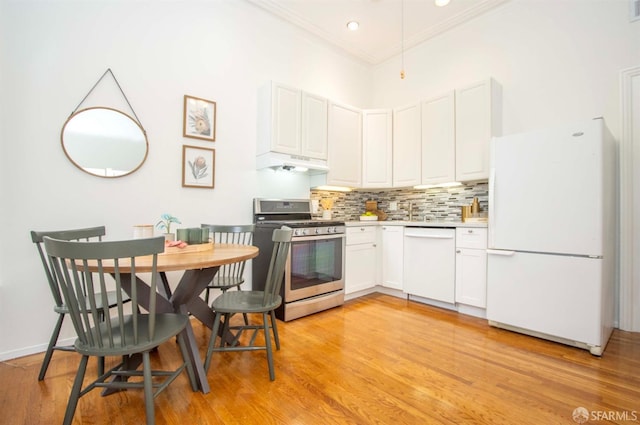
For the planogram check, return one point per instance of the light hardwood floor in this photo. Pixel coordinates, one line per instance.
(375, 360)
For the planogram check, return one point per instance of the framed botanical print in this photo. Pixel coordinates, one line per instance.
(199, 119)
(198, 167)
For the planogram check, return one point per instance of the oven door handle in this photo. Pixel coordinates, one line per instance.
(317, 237)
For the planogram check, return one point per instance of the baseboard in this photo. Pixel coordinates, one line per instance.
(34, 349)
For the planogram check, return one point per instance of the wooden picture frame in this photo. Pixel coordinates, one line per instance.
(198, 167)
(199, 118)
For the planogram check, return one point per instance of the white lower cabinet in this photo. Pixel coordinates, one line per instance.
(429, 263)
(392, 256)
(360, 259)
(471, 266)
(447, 265)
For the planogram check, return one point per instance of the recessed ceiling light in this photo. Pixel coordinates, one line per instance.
(353, 25)
(442, 2)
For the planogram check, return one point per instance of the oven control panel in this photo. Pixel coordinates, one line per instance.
(317, 231)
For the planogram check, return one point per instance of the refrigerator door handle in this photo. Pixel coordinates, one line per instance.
(492, 200)
(502, 252)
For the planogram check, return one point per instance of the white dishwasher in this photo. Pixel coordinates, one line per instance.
(430, 262)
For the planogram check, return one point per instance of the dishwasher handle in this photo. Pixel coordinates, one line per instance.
(501, 252)
(428, 236)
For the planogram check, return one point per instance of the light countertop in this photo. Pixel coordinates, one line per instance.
(432, 223)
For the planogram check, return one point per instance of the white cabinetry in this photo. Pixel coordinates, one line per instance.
(429, 263)
(377, 145)
(438, 139)
(345, 146)
(292, 122)
(478, 118)
(392, 256)
(406, 146)
(279, 119)
(314, 117)
(360, 259)
(471, 266)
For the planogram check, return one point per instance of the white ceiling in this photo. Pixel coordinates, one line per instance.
(380, 35)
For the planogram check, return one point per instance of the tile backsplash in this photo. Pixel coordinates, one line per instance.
(439, 203)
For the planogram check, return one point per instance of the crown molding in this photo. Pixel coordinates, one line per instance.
(276, 9)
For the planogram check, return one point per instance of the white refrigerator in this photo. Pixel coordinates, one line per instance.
(552, 227)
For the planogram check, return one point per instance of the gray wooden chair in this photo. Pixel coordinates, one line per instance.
(86, 234)
(127, 334)
(265, 302)
(229, 275)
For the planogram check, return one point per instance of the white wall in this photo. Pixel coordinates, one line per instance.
(52, 53)
(557, 61)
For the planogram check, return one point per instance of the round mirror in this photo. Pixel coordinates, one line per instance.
(104, 142)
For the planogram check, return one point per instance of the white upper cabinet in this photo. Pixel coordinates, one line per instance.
(477, 119)
(314, 126)
(407, 146)
(438, 139)
(345, 146)
(377, 145)
(292, 122)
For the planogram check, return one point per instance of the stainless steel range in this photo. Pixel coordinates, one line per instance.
(314, 275)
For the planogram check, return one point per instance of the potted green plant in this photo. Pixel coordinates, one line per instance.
(165, 225)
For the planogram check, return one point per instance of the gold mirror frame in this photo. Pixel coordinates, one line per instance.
(104, 142)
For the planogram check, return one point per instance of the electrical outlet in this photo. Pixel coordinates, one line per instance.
(314, 206)
(393, 206)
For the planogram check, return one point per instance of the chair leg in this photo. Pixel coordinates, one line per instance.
(276, 338)
(100, 366)
(206, 295)
(226, 332)
(165, 284)
(75, 391)
(148, 389)
(50, 347)
(212, 341)
(267, 342)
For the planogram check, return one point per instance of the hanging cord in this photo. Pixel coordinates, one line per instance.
(402, 40)
(108, 71)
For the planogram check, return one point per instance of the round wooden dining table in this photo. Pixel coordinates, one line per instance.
(199, 264)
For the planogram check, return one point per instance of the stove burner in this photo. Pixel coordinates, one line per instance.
(292, 212)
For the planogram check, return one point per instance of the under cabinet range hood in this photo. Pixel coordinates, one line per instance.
(280, 161)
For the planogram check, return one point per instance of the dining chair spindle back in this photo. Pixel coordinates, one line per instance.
(85, 234)
(229, 275)
(247, 302)
(123, 333)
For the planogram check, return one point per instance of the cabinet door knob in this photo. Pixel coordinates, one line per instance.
(458, 251)
(470, 231)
